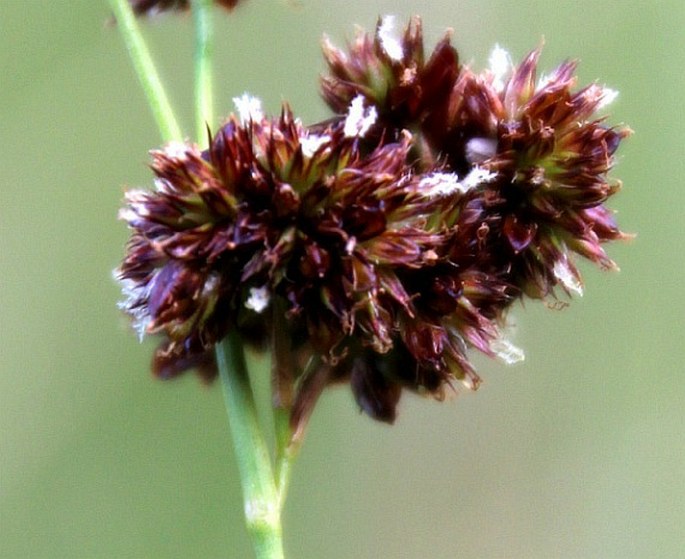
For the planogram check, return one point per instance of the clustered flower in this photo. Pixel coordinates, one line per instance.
(382, 245)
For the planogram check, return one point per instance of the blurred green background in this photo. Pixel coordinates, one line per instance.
(579, 452)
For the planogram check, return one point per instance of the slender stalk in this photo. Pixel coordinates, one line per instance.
(147, 73)
(262, 505)
(204, 100)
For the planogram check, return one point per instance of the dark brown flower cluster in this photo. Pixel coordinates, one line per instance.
(152, 7)
(378, 247)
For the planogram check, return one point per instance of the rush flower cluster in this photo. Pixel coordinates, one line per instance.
(380, 246)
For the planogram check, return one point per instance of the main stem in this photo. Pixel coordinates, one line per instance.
(146, 70)
(262, 503)
(261, 497)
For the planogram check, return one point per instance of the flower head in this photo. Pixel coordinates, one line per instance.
(551, 154)
(271, 212)
(348, 251)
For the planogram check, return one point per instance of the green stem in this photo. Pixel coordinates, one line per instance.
(145, 68)
(204, 101)
(262, 505)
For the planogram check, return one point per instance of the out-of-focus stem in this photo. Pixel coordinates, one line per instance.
(146, 70)
(204, 100)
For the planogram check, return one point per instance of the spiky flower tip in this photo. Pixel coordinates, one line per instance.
(542, 144)
(331, 256)
(390, 72)
(153, 7)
